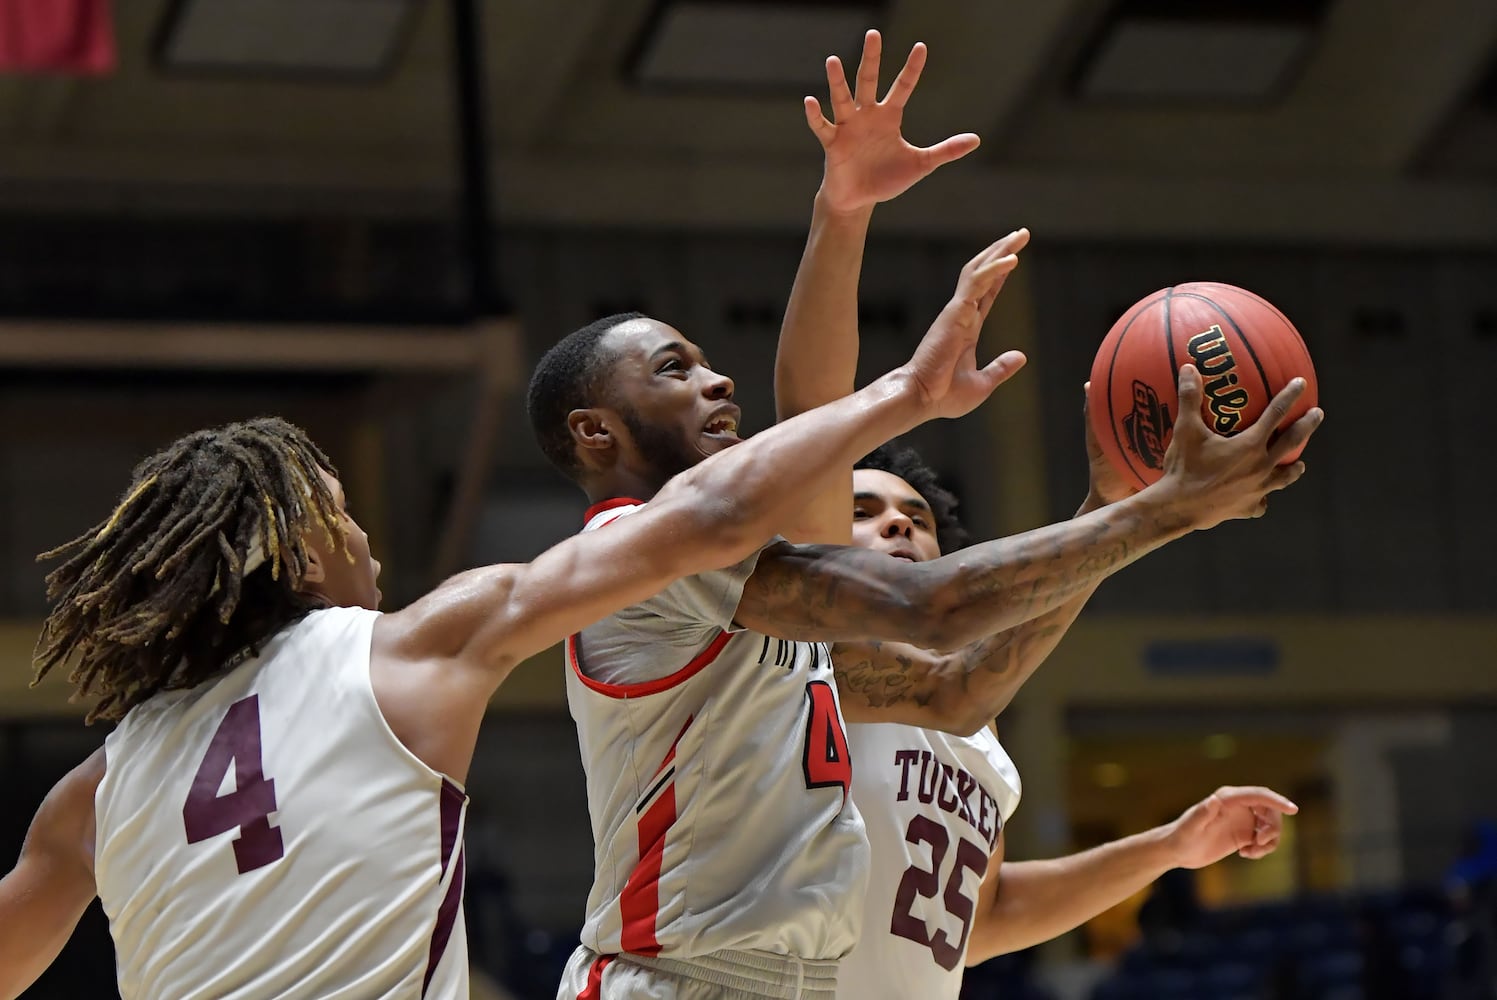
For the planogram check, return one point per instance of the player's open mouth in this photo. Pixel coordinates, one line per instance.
(904, 554)
(724, 424)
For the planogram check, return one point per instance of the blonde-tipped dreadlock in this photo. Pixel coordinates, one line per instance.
(164, 592)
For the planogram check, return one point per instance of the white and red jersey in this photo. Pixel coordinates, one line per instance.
(266, 835)
(934, 805)
(717, 777)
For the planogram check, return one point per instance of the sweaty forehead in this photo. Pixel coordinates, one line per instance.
(639, 339)
(887, 487)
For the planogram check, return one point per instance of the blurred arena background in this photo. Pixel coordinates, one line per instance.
(371, 216)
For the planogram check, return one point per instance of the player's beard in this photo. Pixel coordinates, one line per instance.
(663, 449)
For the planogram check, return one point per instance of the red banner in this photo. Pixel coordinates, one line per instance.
(56, 36)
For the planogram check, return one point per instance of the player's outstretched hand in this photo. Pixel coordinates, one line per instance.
(1247, 821)
(867, 157)
(1213, 478)
(944, 366)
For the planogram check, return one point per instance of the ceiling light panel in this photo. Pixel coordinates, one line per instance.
(1144, 60)
(333, 37)
(705, 43)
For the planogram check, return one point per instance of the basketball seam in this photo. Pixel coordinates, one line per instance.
(1112, 417)
(1299, 338)
(1262, 375)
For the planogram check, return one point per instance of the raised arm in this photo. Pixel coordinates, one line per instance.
(867, 161)
(1025, 903)
(839, 594)
(53, 880)
(437, 662)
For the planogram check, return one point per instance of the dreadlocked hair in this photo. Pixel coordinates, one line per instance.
(170, 588)
(905, 462)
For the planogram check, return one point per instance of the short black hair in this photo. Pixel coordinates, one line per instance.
(905, 462)
(566, 379)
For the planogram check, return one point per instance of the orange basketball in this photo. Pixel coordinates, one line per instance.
(1245, 349)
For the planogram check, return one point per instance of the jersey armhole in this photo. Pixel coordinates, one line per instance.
(363, 681)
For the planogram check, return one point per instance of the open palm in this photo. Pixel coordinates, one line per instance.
(868, 159)
(945, 364)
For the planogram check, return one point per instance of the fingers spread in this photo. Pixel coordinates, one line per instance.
(904, 83)
(1295, 435)
(823, 129)
(836, 81)
(1286, 475)
(1278, 409)
(867, 92)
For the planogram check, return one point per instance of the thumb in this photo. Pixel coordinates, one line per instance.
(1002, 368)
(951, 149)
(1190, 395)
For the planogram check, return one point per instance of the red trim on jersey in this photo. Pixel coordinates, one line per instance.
(603, 505)
(594, 988)
(698, 663)
(671, 755)
(639, 903)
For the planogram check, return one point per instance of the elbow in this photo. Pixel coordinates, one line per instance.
(970, 722)
(958, 714)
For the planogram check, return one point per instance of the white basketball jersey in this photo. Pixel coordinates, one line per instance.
(266, 835)
(719, 787)
(934, 805)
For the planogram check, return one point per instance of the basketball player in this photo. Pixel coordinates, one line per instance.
(940, 895)
(729, 861)
(279, 812)
(935, 804)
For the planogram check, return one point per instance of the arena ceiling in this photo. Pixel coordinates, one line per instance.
(1339, 120)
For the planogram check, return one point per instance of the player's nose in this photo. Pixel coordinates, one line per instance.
(718, 386)
(898, 526)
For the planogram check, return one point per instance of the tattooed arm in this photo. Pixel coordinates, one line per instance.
(840, 594)
(958, 692)
(963, 691)
(843, 594)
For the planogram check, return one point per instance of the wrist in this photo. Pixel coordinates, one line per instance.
(1160, 850)
(829, 211)
(1162, 504)
(901, 395)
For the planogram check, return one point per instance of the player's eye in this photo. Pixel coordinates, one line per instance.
(673, 365)
(859, 514)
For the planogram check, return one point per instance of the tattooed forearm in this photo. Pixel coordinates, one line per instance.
(960, 691)
(835, 593)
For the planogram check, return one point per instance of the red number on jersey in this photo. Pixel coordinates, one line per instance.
(248, 807)
(925, 884)
(827, 761)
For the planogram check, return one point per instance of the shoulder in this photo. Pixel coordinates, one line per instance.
(64, 825)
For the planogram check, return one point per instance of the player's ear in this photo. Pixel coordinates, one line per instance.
(592, 429)
(315, 570)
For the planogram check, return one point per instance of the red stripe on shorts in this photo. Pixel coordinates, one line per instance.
(594, 988)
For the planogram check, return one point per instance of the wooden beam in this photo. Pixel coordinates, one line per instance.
(245, 347)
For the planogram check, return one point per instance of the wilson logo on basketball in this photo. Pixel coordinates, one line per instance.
(1224, 397)
(1147, 426)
